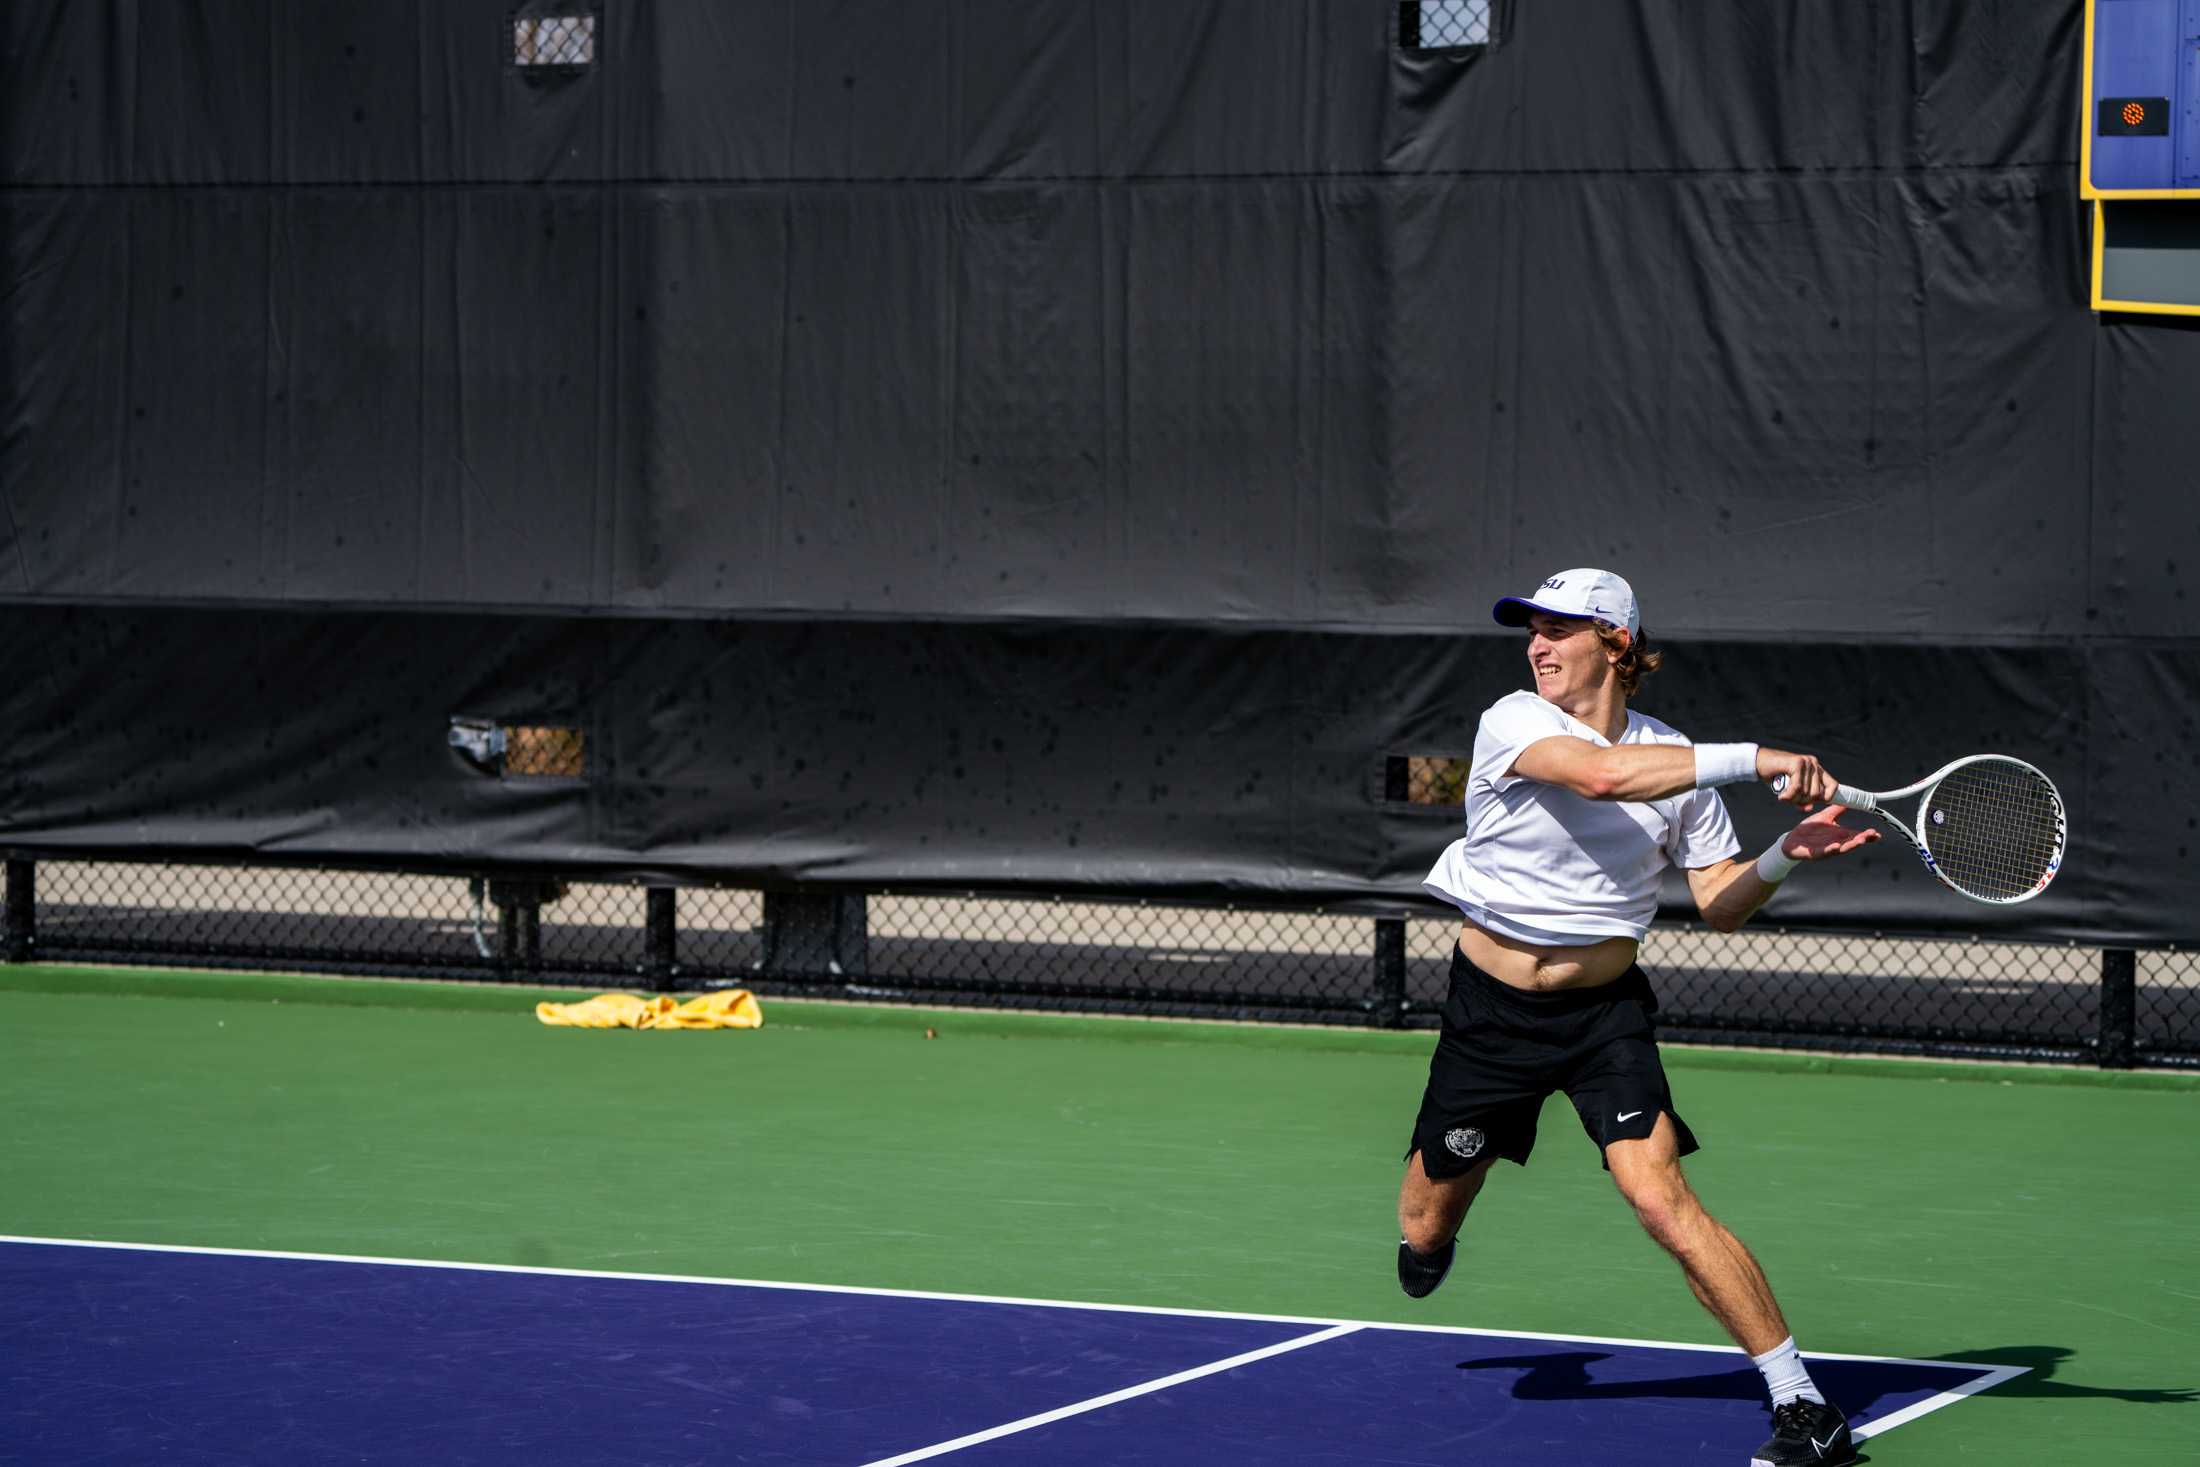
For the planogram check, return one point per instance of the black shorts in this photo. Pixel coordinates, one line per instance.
(1504, 1049)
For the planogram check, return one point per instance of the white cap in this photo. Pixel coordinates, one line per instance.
(1596, 594)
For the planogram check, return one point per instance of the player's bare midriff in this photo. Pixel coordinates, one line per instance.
(1540, 969)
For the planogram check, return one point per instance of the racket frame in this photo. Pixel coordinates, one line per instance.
(1873, 802)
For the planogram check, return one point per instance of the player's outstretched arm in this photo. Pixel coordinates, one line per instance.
(1730, 893)
(1659, 771)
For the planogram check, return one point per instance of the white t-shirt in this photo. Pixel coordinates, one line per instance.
(1544, 865)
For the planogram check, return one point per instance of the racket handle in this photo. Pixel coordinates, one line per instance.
(1845, 794)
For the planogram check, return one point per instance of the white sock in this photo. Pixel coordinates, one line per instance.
(1785, 1375)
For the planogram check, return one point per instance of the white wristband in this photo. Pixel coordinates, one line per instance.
(1775, 864)
(1725, 764)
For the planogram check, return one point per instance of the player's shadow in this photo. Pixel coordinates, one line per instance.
(1565, 1377)
(2040, 1363)
(1855, 1385)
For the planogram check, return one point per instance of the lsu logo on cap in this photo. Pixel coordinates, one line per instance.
(1578, 591)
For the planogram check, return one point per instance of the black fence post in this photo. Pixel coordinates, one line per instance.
(507, 936)
(1409, 25)
(519, 902)
(1397, 779)
(852, 934)
(2119, 1007)
(22, 912)
(530, 936)
(661, 939)
(1389, 1005)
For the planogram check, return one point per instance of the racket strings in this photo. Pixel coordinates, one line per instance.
(1995, 829)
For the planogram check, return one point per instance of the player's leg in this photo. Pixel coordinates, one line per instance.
(1723, 1273)
(1619, 1089)
(1430, 1210)
(1617, 1083)
(1459, 1135)
(1727, 1279)
(1483, 1095)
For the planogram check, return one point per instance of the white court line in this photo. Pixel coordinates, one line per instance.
(1992, 1375)
(1078, 1408)
(1995, 1375)
(954, 1298)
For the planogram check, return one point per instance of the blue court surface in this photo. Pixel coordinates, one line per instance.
(129, 1354)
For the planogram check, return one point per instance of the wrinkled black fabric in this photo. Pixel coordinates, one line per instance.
(1210, 327)
(1227, 763)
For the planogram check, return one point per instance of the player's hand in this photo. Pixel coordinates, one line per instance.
(1808, 783)
(1824, 835)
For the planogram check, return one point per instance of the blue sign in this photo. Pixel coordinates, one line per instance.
(2143, 96)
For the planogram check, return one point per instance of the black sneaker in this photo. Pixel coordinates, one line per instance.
(1806, 1434)
(1420, 1273)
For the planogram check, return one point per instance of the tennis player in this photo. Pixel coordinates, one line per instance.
(1574, 806)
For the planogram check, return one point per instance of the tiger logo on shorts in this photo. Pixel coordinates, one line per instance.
(1464, 1142)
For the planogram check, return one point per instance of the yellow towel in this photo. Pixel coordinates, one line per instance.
(728, 1008)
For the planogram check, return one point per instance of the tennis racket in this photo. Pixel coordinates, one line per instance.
(1990, 827)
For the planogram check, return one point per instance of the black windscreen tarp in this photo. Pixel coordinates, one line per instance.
(1206, 368)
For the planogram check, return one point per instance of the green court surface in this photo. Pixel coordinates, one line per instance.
(1999, 1215)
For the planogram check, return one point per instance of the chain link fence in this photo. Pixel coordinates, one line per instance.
(1440, 25)
(1762, 987)
(564, 42)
